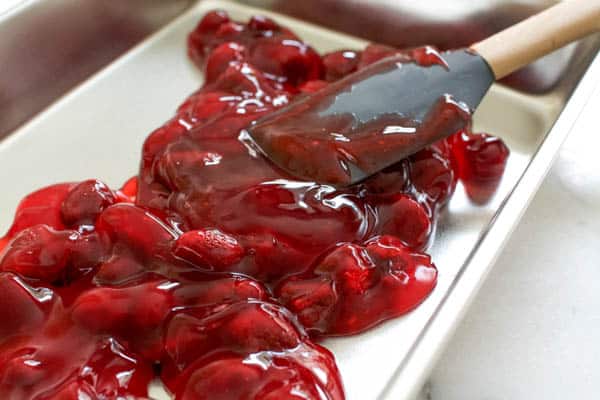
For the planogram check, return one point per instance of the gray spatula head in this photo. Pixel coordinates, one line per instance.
(372, 119)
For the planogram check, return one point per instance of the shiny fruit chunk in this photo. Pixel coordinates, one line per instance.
(221, 57)
(52, 256)
(394, 179)
(241, 328)
(481, 160)
(290, 59)
(41, 207)
(264, 376)
(407, 219)
(356, 287)
(249, 350)
(432, 177)
(111, 372)
(23, 309)
(199, 43)
(134, 314)
(39, 252)
(209, 248)
(214, 292)
(85, 202)
(125, 225)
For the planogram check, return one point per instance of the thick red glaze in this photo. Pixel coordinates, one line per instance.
(480, 161)
(44, 356)
(257, 343)
(213, 262)
(273, 49)
(340, 63)
(90, 312)
(350, 129)
(355, 286)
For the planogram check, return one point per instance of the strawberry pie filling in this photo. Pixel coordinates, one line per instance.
(213, 269)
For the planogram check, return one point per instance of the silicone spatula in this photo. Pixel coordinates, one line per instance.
(379, 115)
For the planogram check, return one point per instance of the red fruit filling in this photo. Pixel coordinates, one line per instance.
(85, 202)
(340, 63)
(44, 356)
(273, 49)
(210, 248)
(41, 207)
(355, 287)
(246, 350)
(214, 262)
(480, 162)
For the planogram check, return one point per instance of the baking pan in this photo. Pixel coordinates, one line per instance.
(97, 130)
(48, 47)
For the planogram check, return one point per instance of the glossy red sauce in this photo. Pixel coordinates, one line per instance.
(214, 269)
(350, 129)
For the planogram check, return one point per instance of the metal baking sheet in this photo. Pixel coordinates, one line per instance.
(97, 130)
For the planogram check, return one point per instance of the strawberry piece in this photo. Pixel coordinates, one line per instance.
(209, 248)
(290, 59)
(39, 252)
(271, 256)
(226, 290)
(198, 40)
(41, 207)
(44, 356)
(102, 376)
(85, 202)
(394, 179)
(432, 177)
(221, 57)
(201, 342)
(120, 269)
(356, 287)
(125, 225)
(262, 24)
(288, 376)
(407, 219)
(481, 160)
(134, 314)
(42, 253)
(271, 48)
(242, 328)
(21, 311)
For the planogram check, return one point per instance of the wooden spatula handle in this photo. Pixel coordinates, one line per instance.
(539, 35)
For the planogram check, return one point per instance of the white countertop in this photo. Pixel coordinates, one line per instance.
(532, 332)
(6, 5)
